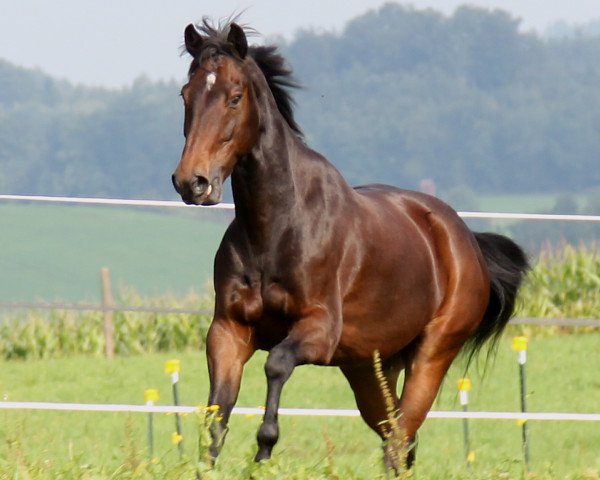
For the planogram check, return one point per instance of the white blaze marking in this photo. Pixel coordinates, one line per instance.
(211, 78)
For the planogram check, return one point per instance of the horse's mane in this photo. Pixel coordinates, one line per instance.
(273, 66)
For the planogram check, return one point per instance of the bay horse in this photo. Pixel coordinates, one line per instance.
(317, 272)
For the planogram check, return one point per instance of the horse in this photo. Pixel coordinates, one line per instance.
(315, 271)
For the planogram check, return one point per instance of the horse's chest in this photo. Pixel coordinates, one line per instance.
(268, 304)
(259, 301)
(277, 314)
(277, 299)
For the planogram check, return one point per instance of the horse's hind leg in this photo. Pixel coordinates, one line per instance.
(375, 409)
(425, 371)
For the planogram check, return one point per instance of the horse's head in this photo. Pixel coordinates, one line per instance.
(221, 120)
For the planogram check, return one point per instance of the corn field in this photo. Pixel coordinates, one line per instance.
(60, 333)
(564, 283)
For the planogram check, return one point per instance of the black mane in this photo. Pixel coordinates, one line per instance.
(273, 66)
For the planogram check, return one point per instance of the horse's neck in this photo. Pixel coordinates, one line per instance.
(270, 188)
(271, 183)
(264, 190)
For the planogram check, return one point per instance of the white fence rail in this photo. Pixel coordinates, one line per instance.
(230, 206)
(108, 201)
(305, 412)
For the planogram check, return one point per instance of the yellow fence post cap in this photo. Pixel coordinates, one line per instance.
(464, 385)
(172, 366)
(151, 395)
(519, 344)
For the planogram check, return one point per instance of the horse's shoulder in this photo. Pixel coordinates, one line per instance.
(233, 249)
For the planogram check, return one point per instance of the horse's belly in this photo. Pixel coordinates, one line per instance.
(389, 305)
(389, 334)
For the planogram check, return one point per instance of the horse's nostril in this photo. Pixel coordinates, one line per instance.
(194, 189)
(199, 185)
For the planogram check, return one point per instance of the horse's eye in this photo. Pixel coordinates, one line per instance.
(235, 101)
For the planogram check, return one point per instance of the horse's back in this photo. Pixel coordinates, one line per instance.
(410, 202)
(416, 212)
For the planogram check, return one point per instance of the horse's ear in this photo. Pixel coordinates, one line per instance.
(193, 40)
(237, 38)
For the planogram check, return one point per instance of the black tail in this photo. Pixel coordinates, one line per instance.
(507, 265)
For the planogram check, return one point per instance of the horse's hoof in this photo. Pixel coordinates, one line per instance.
(263, 454)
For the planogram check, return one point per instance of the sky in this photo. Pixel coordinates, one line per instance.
(110, 43)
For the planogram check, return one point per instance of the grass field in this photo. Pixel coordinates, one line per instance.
(55, 252)
(562, 376)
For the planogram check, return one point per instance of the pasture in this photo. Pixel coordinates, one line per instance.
(145, 248)
(55, 252)
(561, 377)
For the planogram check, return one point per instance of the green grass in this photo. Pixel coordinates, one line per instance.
(56, 252)
(113, 445)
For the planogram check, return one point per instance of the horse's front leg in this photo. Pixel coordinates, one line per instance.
(229, 345)
(312, 339)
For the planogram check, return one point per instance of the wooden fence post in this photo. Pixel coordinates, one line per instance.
(107, 312)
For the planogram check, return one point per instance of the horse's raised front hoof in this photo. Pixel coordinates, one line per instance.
(264, 453)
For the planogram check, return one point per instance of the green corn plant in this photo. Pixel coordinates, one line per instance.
(58, 333)
(564, 283)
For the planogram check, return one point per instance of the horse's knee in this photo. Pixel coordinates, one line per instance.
(280, 363)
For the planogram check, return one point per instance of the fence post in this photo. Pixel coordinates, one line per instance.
(107, 313)
(464, 387)
(520, 345)
(172, 367)
(151, 396)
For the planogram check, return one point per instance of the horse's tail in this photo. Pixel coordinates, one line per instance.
(507, 265)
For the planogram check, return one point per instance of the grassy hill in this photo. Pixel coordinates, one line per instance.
(55, 252)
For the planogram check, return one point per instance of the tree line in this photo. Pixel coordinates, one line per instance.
(469, 101)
